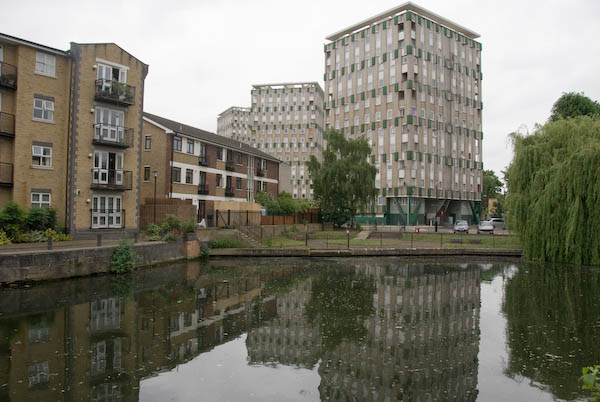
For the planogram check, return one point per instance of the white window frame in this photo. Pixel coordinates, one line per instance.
(46, 107)
(37, 151)
(40, 202)
(45, 64)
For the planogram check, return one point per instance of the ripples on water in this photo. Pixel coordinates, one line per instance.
(276, 330)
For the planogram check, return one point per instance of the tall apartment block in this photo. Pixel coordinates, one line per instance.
(234, 123)
(409, 81)
(287, 122)
(69, 132)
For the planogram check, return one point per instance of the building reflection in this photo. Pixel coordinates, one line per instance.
(414, 335)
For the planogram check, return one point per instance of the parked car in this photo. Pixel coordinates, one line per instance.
(485, 227)
(498, 223)
(461, 227)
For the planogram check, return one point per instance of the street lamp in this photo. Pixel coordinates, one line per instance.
(155, 176)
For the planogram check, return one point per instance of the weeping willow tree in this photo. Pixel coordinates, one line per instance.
(554, 191)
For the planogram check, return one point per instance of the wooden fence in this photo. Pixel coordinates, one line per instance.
(151, 212)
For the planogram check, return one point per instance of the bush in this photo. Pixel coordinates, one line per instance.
(172, 222)
(358, 227)
(41, 218)
(57, 236)
(4, 238)
(204, 252)
(12, 219)
(171, 236)
(591, 380)
(294, 229)
(188, 227)
(123, 259)
(226, 242)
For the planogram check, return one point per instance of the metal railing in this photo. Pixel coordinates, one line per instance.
(228, 192)
(107, 134)
(202, 160)
(6, 174)
(7, 124)
(114, 92)
(103, 218)
(230, 166)
(260, 172)
(111, 179)
(203, 189)
(8, 75)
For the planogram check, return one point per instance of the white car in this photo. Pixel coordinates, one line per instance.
(485, 227)
(461, 227)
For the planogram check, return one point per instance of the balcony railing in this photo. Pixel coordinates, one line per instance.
(6, 174)
(228, 192)
(203, 189)
(107, 218)
(115, 92)
(8, 75)
(229, 165)
(7, 124)
(111, 179)
(116, 136)
(260, 172)
(203, 161)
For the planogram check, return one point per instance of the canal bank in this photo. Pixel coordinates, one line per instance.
(43, 265)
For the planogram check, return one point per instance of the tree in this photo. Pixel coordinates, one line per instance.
(498, 209)
(491, 186)
(574, 104)
(345, 181)
(284, 204)
(553, 191)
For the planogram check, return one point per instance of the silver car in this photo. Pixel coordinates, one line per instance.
(498, 223)
(485, 227)
(461, 227)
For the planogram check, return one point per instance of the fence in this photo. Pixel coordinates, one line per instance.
(237, 218)
(156, 212)
(308, 217)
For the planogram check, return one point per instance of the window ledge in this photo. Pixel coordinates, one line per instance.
(45, 75)
(43, 121)
(42, 167)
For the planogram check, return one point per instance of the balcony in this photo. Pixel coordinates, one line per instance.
(228, 192)
(8, 75)
(107, 218)
(114, 92)
(6, 174)
(7, 124)
(115, 136)
(260, 172)
(203, 189)
(202, 161)
(111, 179)
(230, 166)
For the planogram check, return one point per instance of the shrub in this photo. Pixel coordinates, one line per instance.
(591, 380)
(226, 242)
(123, 259)
(358, 227)
(188, 226)
(41, 218)
(4, 238)
(204, 252)
(172, 222)
(12, 219)
(171, 236)
(294, 229)
(57, 236)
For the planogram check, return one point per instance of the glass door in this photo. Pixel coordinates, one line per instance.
(107, 212)
(109, 124)
(100, 175)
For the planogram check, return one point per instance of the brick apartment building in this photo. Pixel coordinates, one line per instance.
(69, 132)
(215, 172)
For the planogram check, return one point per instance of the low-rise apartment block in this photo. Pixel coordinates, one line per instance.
(287, 122)
(409, 81)
(215, 172)
(69, 132)
(234, 123)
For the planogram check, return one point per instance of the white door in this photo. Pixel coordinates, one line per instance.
(106, 211)
(109, 124)
(100, 174)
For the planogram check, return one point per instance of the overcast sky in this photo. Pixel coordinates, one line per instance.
(205, 55)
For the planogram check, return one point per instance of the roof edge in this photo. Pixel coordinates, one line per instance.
(25, 42)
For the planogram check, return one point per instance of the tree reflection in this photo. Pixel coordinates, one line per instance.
(553, 316)
(340, 301)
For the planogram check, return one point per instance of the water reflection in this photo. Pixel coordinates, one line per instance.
(371, 330)
(553, 315)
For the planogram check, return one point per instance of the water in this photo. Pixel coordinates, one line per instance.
(304, 330)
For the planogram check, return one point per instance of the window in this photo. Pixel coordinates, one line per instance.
(41, 155)
(176, 175)
(177, 144)
(264, 186)
(239, 158)
(146, 173)
(219, 180)
(43, 109)
(238, 183)
(190, 146)
(148, 142)
(40, 198)
(189, 176)
(220, 154)
(45, 64)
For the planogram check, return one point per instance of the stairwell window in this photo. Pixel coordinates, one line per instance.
(45, 64)
(177, 144)
(41, 155)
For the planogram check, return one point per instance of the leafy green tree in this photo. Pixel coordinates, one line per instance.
(498, 209)
(344, 182)
(284, 204)
(574, 104)
(491, 186)
(554, 188)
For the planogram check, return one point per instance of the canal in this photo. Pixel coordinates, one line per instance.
(377, 329)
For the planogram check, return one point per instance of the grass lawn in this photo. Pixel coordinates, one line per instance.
(282, 242)
(333, 235)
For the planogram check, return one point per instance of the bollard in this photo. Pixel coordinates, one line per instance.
(441, 240)
(306, 239)
(98, 240)
(348, 236)
(49, 242)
